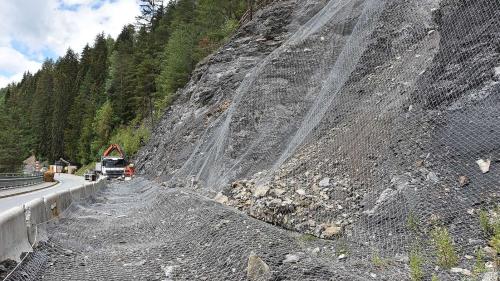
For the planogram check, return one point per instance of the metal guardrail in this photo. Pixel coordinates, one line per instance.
(13, 180)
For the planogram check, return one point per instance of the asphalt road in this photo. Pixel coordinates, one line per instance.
(65, 182)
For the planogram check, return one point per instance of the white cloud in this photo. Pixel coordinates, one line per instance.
(13, 61)
(36, 28)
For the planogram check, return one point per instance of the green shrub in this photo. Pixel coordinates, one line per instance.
(412, 222)
(445, 251)
(479, 266)
(484, 221)
(434, 278)
(378, 261)
(84, 168)
(416, 265)
(495, 240)
(491, 229)
(130, 139)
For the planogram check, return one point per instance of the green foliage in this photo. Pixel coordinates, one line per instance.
(102, 126)
(484, 221)
(83, 169)
(491, 227)
(11, 150)
(416, 265)
(76, 106)
(412, 222)
(378, 261)
(65, 90)
(307, 238)
(343, 248)
(103, 122)
(131, 139)
(495, 239)
(445, 251)
(229, 27)
(479, 265)
(178, 61)
(434, 278)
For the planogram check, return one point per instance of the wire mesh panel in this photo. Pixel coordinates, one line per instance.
(347, 140)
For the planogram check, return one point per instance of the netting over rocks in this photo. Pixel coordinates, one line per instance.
(364, 132)
(138, 231)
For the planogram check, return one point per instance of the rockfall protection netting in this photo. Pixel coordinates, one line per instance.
(135, 231)
(374, 124)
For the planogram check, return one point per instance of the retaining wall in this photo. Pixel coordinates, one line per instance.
(18, 229)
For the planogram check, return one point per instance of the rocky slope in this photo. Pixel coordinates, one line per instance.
(346, 119)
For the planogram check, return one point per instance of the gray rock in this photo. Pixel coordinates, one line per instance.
(221, 198)
(257, 269)
(325, 182)
(490, 276)
(402, 258)
(463, 271)
(300, 192)
(484, 165)
(260, 191)
(291, 258)
(431, 176)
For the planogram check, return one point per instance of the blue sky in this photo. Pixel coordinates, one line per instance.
(32, 30)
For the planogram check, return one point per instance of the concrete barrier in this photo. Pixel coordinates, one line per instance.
(94, 188)
(78, 193)
(18, 226)
(35, 213)
(13, 234)
(56, 203)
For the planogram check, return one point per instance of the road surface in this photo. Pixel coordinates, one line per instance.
(65, 182)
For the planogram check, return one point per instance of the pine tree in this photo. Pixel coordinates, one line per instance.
(72, 131)
(42, 109)
(65, 91)
(178, 61)
(121, 82)
(74, 107)
(102, 126)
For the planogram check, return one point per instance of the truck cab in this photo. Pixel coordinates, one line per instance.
(113, 167)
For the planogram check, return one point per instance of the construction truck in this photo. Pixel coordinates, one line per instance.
(115, 166)
(62, 166)
(70, 169)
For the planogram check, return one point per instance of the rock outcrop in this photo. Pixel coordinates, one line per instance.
(344, 118)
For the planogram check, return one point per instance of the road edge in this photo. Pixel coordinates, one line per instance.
(29, 191)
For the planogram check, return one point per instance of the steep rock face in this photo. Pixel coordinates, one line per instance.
(363, 116)
(204, 102)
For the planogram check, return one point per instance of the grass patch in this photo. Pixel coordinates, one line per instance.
(484, 221)
(445, 250)
(343, 249)
(378, 261)
(416, 265)
(495, 240)
(307, 238)
(479, 266)
(491, 227)
(412, 222)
